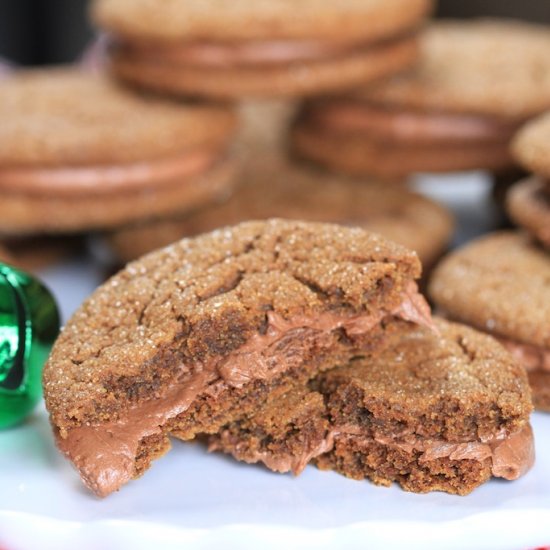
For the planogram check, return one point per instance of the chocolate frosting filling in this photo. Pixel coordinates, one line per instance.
(400, 125)
(105, 454)
(511, 455)
(109, 178)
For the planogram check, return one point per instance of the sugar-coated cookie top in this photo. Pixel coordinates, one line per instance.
(258, 19)
(489, 67)
(68, 117)
(499, 283)
(204, 297)
(448, 384)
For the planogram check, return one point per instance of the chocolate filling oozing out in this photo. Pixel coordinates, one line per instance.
(218, 392)
(371, 434)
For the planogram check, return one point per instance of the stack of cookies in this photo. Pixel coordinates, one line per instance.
(500, 283)
(457, 111)
(300, 337)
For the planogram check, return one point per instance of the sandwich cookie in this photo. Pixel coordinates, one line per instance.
(78, 152)
(457, 111)
(432, 412)
(499, 284)
(272, 188)
(529, 201)
(259, 48)
(196, 335)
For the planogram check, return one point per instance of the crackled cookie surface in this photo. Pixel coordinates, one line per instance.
(193, 336)
(500, 284)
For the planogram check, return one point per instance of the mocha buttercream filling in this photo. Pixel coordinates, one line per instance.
(401, 125)
(107, 178)
(279, 461)
(105, 453)
(511, 455)
(247, 53)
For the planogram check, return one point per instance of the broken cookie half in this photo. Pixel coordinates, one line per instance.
(199, 334)
(433, 411)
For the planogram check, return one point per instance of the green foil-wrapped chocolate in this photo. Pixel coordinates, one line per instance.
(29, 324)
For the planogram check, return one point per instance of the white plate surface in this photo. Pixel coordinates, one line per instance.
(192, 499)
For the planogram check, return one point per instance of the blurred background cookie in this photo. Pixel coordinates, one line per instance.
(259, 48)
(499, 284)
(274, 188)
(477, 83)
(78, 152)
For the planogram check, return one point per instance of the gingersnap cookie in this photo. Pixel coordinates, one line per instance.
(263, 127)
(457, 111)
(259, 49)
(272, 188)
(499, 284)
(78, 152)
(529, 202)
(195, 335)
(432, 411)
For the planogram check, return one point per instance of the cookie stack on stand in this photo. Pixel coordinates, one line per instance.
(529, 201)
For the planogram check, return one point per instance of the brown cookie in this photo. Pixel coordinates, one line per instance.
(71, 142)
(271, 188)
(499, 284)
(528, 205)
(284, 434)
(262, 49)
(531, 146)
(195, 335)
(431, 411)
(457, 111)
